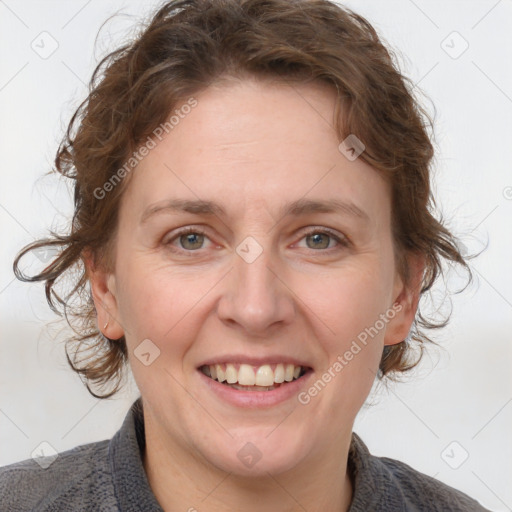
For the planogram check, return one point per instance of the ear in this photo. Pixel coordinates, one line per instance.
(406, 299)
(103, 288)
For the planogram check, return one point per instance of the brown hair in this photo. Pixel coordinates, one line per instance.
(189, 44)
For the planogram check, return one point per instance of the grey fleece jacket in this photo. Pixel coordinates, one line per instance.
(109, 476)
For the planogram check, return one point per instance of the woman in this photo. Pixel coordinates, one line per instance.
(253, 233)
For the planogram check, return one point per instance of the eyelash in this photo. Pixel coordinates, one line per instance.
(342, 241)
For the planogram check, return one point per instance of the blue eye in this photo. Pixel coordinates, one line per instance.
(193, 236)
(320, 239)
(191, 239)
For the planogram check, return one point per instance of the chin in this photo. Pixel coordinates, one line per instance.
(249, 454)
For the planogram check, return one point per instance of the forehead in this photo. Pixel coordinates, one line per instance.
(252, 145)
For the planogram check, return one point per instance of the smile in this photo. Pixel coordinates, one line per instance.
(247, 377)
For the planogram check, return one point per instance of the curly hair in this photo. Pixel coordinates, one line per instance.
(188, 45)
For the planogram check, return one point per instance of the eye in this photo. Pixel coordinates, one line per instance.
(190, 239)
(321, 238)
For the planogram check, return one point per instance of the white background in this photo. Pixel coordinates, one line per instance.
(462, 392)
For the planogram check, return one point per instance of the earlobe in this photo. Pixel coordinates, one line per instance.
(103, 292)
(407, 298)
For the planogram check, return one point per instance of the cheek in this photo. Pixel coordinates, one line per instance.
(157, 306)
(161, 303)
(352, 332)
(351, 301)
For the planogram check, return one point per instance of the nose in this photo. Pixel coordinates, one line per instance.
(256, 298)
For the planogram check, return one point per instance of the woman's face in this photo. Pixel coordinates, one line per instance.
(257, 285)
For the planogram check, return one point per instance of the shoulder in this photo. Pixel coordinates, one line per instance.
(382, 483)
(422, 492)
(72, 480)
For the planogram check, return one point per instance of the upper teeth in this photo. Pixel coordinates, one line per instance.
(248, 375)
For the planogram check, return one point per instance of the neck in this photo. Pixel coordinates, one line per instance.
(180, 480)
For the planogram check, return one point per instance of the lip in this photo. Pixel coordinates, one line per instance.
(254, 361)
(256, 399)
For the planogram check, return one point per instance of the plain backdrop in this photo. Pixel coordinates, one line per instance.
(452, 419)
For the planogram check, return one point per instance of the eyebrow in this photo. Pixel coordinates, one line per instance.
(295, 208)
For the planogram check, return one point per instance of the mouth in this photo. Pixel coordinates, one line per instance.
(247, 377)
